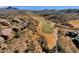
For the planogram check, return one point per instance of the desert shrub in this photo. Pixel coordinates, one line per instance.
(18, 34)
(47, 28)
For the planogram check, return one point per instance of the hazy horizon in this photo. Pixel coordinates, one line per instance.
(46, 7)
(43, 7)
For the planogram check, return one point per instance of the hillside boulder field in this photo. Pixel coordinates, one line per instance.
(42, 31)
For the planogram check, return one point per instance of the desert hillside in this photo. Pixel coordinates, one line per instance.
(45, 31)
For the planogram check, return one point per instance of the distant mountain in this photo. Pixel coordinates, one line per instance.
(9, 8)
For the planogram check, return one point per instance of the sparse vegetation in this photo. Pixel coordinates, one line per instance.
(29, 31)
(47, 28)
(18, 34)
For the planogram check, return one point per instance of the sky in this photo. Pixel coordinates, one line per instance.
(43, 7)
(39, 2)
(46, 7)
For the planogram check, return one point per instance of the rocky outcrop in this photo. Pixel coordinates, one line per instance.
(65, 43)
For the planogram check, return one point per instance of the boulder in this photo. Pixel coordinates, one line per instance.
(4, 22)
(6, 32)
(72, 34)
(1, 39)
